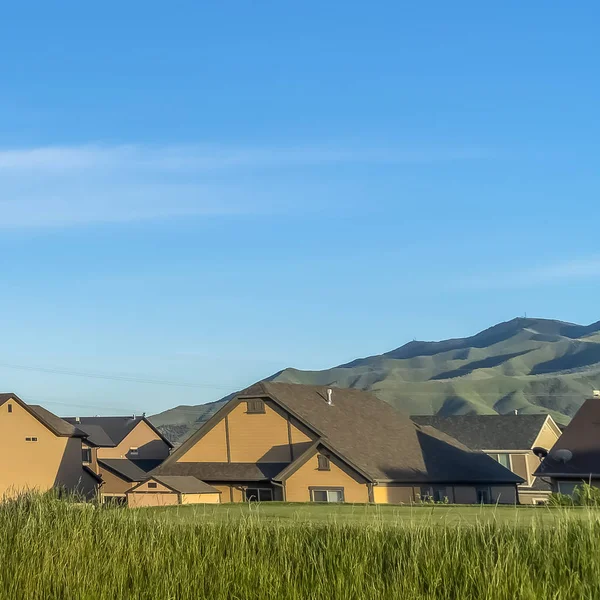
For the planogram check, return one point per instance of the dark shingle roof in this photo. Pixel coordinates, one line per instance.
(371, 435)
(131, 470)
(56, 424)
(186, 484)
(222, 471)
(582, 438)
(488, 432)
(110, 431)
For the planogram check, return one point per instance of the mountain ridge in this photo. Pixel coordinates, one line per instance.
(526, 364)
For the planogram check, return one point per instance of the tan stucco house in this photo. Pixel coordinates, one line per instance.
(40, 451)
(510, 439)
(277, 441)
(122, 450)
(169, 491)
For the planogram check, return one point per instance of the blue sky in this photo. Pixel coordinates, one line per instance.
(194, 196)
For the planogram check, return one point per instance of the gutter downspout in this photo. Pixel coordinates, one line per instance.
(282, 486)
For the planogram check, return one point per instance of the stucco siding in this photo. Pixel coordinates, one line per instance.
(144, 438)
(547, 437)
(504, 494)
(307, 476)
(534, 497)
(143, 500)
(113, 484)
(212, 447)
(35, 465)
(393, 494)
(258, 437)
(465, 494)
(519, 466)
(200, 498)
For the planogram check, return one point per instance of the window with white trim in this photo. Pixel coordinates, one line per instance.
(327, 494)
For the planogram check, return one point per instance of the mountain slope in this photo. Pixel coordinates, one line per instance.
(533, 365)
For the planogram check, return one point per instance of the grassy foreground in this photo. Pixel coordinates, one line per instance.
(55, 549)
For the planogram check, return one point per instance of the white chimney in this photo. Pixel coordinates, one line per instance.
(329, 396)
(596, 393)
(77, 420)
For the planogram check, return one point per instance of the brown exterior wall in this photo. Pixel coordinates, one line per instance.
(143, 500)
(200, 498)
(308, 475)
(504, 494)
(212, 447)
(393, 494)
(113, 485)
(142, 437)
(51, 461)
(258, 437)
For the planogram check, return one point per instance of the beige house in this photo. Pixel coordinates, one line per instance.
(297, 443)
(122, 450)
(169, 491)
(41, 451)
(508, 439)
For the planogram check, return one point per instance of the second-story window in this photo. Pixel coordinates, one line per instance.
(9, 408)
(134, 451)
(86, 455)
(31, 439)
(324, 464)
(255, 406)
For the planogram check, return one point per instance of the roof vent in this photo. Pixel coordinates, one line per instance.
(77, 420)
(596, 393)
(329, 396)
(516, 411)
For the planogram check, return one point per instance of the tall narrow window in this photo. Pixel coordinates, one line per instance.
(255, 406)
(9, 407)
(86, 455)
(323, 463)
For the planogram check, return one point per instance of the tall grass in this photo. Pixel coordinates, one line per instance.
(57, 549)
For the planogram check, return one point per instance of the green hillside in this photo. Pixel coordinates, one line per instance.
(529, 365)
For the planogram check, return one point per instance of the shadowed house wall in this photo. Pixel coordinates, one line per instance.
(149, 444)
(465, 494)
(40, 465)
(308, 476)
(504, 494)
(113, 484)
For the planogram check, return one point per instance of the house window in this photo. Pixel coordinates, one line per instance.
(255, 407)
(31, 439)
(567, 487)
(327, 494)
(152, 485)
(258, 494)
(10, 408)
(133, 451)
(86, 455)
(323, 463)
(503, 459)
(483, 495)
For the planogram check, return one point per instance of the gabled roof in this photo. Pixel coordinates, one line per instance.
(55, 424)
(489, 432)
(219, 471)
(186, 485)
(582, 439)
(369, 434)
(130, 470)
(111, 431)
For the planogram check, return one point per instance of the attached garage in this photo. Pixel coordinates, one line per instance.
(172, 491)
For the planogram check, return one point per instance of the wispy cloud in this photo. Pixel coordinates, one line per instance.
(556, 273)
(62, 185)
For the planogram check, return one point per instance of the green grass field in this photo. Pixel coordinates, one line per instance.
(51, 549)
(288, 513)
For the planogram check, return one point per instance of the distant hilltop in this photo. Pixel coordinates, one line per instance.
(529, 365)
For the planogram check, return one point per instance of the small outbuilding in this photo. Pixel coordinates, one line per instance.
(166, 490)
